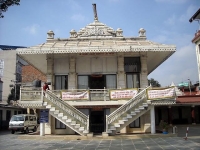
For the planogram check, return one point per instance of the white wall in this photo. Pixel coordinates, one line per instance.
(96, 65)
(9, 57)
(61, 65)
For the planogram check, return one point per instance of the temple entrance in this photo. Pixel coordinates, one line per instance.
(97, 81)
(97, 121)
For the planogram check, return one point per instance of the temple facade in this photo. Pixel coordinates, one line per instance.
(98, 82)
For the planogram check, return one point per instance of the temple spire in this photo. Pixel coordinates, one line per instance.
(95, 12)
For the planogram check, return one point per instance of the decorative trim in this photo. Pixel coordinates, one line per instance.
(53, 50)
(31, 104)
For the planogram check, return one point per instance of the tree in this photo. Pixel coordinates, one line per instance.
(154, 83)
(11, 96)
(4, 4)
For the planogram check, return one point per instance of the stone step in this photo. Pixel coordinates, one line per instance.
(121, 122)
(73, 123)
(109, 131)
(60, 115)
(133, 113)
(85, 132)
(81, 129)
(77, 126)
(69, 120)
(64, 118)
(52, 109)
(112, 128)
(128, 116)
(45, 104)
(117, 125)
(137, 110)
(141, 107)
(124, 119)
(145, 105)
(56, 112)
(48, 106)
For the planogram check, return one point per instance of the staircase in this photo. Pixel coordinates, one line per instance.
(127, 113)
(67, 114)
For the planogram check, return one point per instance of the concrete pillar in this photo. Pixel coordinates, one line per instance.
(50, 70)
(42, 129)
(72, 73)
(28, 110)
(144, 71)
(170, 115)
(121, 76)
(153, 127)
(193, 115)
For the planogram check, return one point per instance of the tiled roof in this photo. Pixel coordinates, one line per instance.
(188, 99)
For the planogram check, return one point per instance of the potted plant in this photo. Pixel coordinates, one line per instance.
(164, 126)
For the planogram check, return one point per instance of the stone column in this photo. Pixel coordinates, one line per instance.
(72, 73)
(193, 114)
(144, 71)
(50, 70)
(28, 110)
(153, 127)
(121, 81)
(170, 115)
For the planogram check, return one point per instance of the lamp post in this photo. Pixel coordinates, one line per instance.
(189, 85)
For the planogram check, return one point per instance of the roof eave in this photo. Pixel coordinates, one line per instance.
(194, 17)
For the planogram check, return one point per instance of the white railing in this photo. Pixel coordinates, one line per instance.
(31, 94)
(65, 107)
(141, 96)
(94, 94)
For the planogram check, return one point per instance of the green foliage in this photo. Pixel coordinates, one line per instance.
(11, 96)
(4, 4)
(153, 83)
(163, 125)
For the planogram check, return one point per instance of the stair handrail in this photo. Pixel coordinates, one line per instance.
(124, 108)
(68, 108)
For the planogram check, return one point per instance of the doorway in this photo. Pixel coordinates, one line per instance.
(97, 82)
(97, 121)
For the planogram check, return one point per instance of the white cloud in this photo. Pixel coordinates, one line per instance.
(171, 21)
(114, 0)
(160, 39)
(33, 29)
(171, 1)
(185, 52)
(182, 65)
(74, 5)
(78, 17)
(188, 13)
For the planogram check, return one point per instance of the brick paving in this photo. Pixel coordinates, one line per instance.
(19, 141)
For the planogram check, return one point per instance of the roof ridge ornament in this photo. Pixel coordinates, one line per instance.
(95, 12)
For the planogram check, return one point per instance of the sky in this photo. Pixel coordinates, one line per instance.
(165, 22)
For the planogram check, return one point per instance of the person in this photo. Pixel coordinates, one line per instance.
(45, 87)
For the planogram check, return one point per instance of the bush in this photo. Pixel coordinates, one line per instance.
(163, 125)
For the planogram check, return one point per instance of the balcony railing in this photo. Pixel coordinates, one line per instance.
(35, 94)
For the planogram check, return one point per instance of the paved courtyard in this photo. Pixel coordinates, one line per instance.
(16, 142)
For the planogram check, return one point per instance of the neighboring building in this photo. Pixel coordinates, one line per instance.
(196, 39)
(1, 89)
(30, 74)
(94, 76)
(11, 68)
(6, 112)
